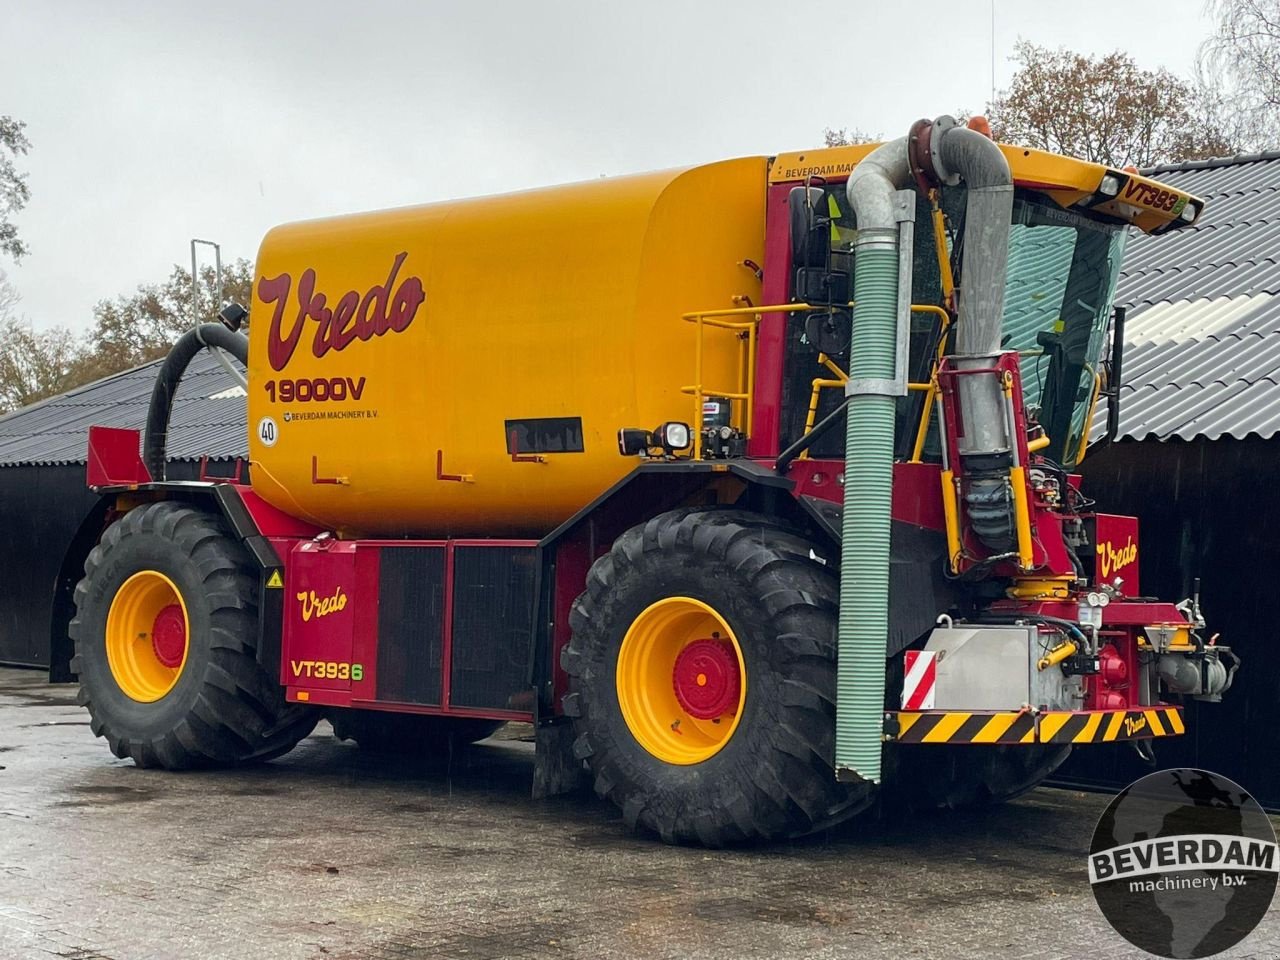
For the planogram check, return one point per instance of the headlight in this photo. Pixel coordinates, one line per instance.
(1189, 212)
(672, 435)
(1110, 185)
(632, 441)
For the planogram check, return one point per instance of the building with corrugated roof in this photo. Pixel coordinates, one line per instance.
(1202, 348)
(1197, 455)
(47, 513)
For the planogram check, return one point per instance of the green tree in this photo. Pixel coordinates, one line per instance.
(14, 192)
(1105, 109)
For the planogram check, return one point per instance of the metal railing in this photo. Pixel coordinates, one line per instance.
(744, 389)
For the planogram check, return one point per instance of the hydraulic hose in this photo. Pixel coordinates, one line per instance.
(1071, 629)
(170, 375)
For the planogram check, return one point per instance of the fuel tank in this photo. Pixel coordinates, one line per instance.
(399, 359)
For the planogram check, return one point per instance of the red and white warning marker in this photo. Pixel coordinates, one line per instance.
(920, 680)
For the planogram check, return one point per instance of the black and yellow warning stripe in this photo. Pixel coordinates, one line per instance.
(1092, 726)
(954, 726)
(1102, 726)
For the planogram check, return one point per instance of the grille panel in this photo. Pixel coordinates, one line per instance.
(411, 624)
(492, 625)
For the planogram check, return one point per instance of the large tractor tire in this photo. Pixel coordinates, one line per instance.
(966, 776)
(166, 632)
(703, 680)
(408, 734)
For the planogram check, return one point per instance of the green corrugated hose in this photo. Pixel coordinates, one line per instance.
(864, 566)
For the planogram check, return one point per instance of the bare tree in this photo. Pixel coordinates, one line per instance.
(126, 332)
(1240, 67)
(34, 364)
(134, 329)
(14, 192)
(845, 137)
(1104, 109)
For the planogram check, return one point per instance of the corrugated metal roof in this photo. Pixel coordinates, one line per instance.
(208, 417)
(1202, 342)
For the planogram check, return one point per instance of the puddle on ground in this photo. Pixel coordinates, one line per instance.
(791, 914)
(103, 795)
(255, 791)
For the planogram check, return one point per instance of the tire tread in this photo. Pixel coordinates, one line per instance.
(239, 714)
(790, 789)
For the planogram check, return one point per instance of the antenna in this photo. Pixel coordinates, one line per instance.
(195, 283)
(993, 51)
(235, 374)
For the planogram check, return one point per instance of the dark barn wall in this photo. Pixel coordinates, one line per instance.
(1207, 509)
(41, 508)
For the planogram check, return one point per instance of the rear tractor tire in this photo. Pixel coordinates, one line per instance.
(703, 680)
(166, 633)
(408, 734)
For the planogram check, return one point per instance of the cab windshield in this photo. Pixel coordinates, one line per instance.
(1060, 281)
(1061, 278)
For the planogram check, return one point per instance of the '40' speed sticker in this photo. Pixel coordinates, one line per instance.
(268, 432)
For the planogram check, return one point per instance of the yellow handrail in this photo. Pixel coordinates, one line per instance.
(929, 389)
(747, 364)
(1088, 422)
(745, 390)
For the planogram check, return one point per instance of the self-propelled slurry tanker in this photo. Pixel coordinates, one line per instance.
(750, 485)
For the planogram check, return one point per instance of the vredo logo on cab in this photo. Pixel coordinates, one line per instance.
(1112, 559)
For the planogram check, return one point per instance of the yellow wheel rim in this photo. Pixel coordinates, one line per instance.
(147, 630)
(681, 680)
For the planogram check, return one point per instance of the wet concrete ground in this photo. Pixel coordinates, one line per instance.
(328, 853)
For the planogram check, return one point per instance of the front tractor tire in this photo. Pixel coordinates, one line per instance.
(165, 634)
(702, 669)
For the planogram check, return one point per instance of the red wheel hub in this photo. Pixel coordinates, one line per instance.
(169, 636)
(707, 679)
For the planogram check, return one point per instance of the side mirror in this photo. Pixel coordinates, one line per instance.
(810, 242)
(829, 331)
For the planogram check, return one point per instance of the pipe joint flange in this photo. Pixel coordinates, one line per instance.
(937, 132)
(876, 238)
(875, 386)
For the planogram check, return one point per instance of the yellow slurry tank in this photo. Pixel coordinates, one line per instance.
(399, 359)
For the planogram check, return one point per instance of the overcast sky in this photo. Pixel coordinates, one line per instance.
(155, 122)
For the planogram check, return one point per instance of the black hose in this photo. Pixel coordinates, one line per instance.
(1067, 625)
(170, 375)
(809, 439)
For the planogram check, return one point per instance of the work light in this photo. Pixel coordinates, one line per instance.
(672, 435)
